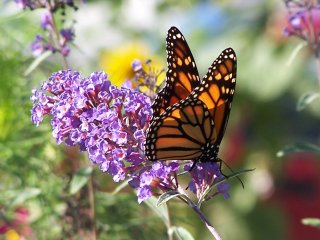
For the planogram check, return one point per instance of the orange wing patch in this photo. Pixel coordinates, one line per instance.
(186, 138)
(182, 75)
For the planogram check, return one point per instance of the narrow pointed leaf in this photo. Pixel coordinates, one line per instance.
(161, 211)
(182, 233)
(299, 147)
(295, 52)
(233, 175)
(315, 222)
(121, 186)
(25, 195)
(306, 99)
(80, 179)
(37, 61)
(167, 196)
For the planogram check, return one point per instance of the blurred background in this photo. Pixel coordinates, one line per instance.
(35, 171)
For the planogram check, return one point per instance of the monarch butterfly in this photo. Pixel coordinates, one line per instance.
(189, 115)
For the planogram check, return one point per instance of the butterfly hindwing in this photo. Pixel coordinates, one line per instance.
(180, 132)
(182, 75)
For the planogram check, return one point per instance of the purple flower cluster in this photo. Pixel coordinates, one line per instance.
(303, 21)
(54, 4)
(163, 176)
(52, 40)
(107, 122)
(45, 43)
(110, 124)
(203, 175)
(103, 120)
(158, 176)
(22, 4)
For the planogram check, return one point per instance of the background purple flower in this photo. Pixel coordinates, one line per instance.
(46, 20)
(55, 4)
(53, 39)
(304, 21)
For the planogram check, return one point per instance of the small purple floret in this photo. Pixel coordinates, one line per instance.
(203, 175)
(46, 21)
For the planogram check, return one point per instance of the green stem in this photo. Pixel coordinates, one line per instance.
(318, 69)
(92, 207)
(169, 227)
(55, 37)
(203, 218)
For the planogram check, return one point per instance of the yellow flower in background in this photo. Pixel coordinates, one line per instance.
(117, 63)
(12, 235)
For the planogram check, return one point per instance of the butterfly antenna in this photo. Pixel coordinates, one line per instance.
(226, 176)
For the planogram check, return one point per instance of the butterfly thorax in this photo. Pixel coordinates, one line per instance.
(209, 153)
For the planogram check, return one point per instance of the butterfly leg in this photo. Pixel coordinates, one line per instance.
(193, 165)
(226, 176)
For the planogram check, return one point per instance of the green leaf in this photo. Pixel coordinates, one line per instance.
(295, 52)
(215, 183)
(314, 222)
(37, 61)
(233, 175)
(182, 233)
(167, 196)
(306, 99)
(80, 179)
(161, 211)
(25, 195)
(299, 147)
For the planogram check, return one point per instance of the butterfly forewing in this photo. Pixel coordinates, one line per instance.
(182, 75)
(217, 89)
